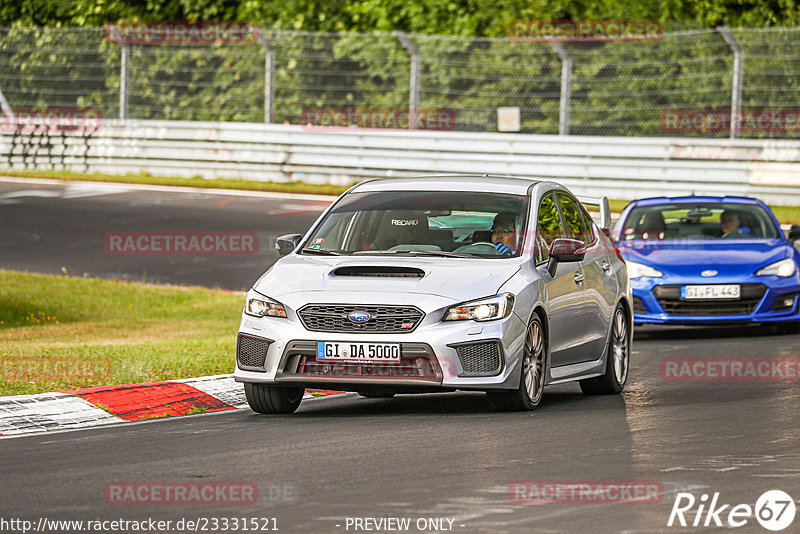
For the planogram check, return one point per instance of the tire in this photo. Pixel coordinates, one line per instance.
(375, 395)
(531, 380)
(617, 359)
(264, 398)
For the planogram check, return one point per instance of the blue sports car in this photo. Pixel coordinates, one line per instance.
(705, 260)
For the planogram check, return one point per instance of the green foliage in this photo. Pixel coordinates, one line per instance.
(468, 64)
(474, 18)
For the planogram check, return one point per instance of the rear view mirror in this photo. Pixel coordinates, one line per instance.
(565, 250)
(287, 243)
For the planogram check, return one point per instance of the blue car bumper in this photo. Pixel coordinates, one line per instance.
(763, 299)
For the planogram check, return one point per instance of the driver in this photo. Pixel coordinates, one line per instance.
(504, 233)
(729, 224)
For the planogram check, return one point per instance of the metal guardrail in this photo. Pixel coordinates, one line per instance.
(618, 167)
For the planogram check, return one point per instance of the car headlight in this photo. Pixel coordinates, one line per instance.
(488, 309)
(784, 268)
(264, 308)
(637, 270)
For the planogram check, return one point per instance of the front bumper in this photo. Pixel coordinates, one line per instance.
(654, 303)
(430, 355)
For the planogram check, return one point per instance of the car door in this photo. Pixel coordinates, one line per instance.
(566, 298)
(600, 285)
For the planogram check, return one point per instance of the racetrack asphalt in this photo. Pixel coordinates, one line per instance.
(415, 456)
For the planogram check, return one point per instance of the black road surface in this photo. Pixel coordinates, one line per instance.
(49, 228)
(444, 462)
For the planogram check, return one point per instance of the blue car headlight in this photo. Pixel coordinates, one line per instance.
(637, 270)
(784, 269)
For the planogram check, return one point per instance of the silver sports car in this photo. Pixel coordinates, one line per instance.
(415, 285)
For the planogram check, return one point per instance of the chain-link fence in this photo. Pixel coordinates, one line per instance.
(689, 83)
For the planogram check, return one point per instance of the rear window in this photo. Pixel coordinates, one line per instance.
(699, 221)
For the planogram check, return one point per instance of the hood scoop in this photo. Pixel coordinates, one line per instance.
(381, 271)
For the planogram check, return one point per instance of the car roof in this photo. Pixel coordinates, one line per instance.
(451, 182)
(652, 201)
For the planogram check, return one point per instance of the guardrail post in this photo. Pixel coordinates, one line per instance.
(269, 78)
(738, 77)
(414, 76)
(566, 87)
(124, 73)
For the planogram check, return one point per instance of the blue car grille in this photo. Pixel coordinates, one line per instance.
(669, 297)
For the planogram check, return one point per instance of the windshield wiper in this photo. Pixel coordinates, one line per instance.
(443, 253)
(323, 252)
(438, 253)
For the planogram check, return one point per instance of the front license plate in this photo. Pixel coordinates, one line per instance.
(358, 352)
(731, 291)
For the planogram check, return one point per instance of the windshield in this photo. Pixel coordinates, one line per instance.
(435, 223)
(699, 221)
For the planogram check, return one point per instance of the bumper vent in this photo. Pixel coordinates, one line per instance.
(785, 303)
(669, 297)
(251, 352)
(638, 305)
(334, 318)
(481, 358)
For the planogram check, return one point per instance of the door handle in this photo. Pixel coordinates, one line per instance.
(578, 278)
(605, 266)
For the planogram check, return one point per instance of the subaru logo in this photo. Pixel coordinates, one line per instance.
(359, 316)
(709, 272)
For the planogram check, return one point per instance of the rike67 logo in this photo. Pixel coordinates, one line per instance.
(774, 510)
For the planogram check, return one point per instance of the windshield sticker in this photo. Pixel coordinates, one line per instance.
(319, 240)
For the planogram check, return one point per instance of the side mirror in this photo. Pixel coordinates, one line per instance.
(794, 232)
(287, 243)
(565, 250)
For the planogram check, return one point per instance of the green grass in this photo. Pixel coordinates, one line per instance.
(785, 214)
(62, 333)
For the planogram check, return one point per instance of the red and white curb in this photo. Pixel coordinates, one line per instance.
(103, 405)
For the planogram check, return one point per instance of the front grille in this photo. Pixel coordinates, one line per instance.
(669, 296)
(480, 358)
(333, 318)
(638, 305)
(251, 352)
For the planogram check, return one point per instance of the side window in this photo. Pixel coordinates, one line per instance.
(588, 227)
(573, 219)
(548, 225)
